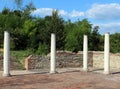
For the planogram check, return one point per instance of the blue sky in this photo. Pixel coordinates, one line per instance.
(103, 13)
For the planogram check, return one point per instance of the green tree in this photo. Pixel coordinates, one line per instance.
(75, 32)
(71, 42)
(18, 3)
(115, 42)
(28, 9)
(5, 11)
(29, 31)
(94, 40)
(55, 24)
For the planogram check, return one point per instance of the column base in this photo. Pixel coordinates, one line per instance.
(53, 72)
(6, 75)
(84, 69)
(106, 72)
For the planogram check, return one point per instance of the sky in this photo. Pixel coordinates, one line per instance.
(102, 13)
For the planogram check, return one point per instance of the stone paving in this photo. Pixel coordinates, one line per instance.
(67, 78)
(40, 71)
(59, 70)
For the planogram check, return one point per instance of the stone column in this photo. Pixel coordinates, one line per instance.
(6, 61)
(106, 54)
(53, 54)
(85, 53)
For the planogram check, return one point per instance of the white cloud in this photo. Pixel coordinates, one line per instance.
(109, 27)
(42, 11)
(98, 12)
(48, 11)
(63, 13)
(104, 11)
(75, 13)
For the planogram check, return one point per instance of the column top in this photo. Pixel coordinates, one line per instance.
(85, 35)
(107, 33)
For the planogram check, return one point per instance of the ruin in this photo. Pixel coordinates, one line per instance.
(88, 59)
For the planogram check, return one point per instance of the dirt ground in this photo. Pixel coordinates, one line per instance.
(66, 80)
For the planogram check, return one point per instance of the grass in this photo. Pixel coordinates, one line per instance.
(19, 57)
(1, 50)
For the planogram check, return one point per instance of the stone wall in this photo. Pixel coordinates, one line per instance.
(69, 59)
(63, 59)
(115, 60)
(98, 60)
(11, 63)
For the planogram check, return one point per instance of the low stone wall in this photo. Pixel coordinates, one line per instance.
(11, 63)
(115, 60)
(98, 60)
(63, 59)
(69, 59)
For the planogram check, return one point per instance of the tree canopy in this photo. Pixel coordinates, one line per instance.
(28, 32)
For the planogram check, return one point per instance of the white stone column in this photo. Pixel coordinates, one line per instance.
(106, 54)
(53, 54)
(85, 53)
(6, 61)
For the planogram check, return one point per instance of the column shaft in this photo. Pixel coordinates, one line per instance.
(53, 54)
(85, 53)
(106, 54)
(6, 62)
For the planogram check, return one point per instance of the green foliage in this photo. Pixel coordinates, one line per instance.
(115, 42)
(42, 49)
(19, 57)
(75, 32)
(18, 3)
(28, 32)
(5, 11)
(55, 24)
(94, 40)
(72, 43)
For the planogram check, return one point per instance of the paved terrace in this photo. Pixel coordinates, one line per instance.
(66, 78)
(59, 70)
